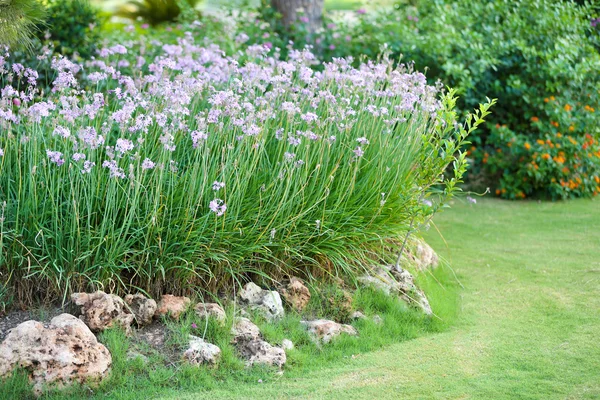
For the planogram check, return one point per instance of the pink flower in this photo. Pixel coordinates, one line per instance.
(361, 11)
(218, 206)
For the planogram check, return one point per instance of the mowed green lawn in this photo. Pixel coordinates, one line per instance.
(529, 325)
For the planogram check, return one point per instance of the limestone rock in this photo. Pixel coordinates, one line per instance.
(201, 352)
(323, 330)
(296, 294)
(243, 329)
(398, 282)
(134, 355)
(172, 306)
(267, 303)
(60, 353)
(287, 344)
(356, 315)
(377, 319)
(101, 311)
(142, 308)
(204, 310)
(422, 255)
(258, 351)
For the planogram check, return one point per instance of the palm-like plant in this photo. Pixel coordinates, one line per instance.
(155, 12)
(19, 19)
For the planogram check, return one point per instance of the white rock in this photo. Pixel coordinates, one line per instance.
(323, 330)
(287, 344)
(201, 352)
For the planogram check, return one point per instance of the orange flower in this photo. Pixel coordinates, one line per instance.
(565, 170)
(597, 179)
(571, 128)
(552, 98)
(535, 119)
(546, 156)
(554, 124)
(527, 146)
(503, 191)
(498, 192)
(546, 100)
(568, 107)
(540, 141)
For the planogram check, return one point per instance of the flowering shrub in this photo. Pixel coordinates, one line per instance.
(193, 167)
(559, 158)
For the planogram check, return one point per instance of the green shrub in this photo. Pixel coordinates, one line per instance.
(156, 12)
(563, 162)
(73, 27)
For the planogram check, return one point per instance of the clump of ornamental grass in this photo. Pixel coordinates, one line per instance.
(192, 171)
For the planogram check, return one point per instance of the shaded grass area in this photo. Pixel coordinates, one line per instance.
(165, 375)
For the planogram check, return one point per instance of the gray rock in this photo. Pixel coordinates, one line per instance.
(142, 308)
(356, 315)
(243, 329)
(204, 310)
(267, 303)
(398, 282)
(258, 351)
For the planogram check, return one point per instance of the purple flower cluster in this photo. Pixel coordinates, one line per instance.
(194, 103)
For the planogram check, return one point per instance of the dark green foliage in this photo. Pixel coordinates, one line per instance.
(73, 27)
(156, 12)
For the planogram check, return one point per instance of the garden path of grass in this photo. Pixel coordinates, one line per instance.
(529, 325)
